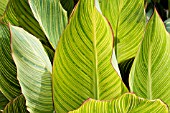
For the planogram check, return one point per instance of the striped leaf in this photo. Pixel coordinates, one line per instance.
(167, 25)
(150, 73)
(9, 84)
(68, 5)
(16, 106)
(82, 66)
(33, 70)
(128, 22)
(19, 13)
(3, 101)
(3, 4)
(127, 103)
(51, 17)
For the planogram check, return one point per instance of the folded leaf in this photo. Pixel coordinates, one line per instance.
(82, 65)
(128, 22)
(33, 70)
(16, 106)
(9, 84)
(127, 103)
(51, 17)
(150, 73)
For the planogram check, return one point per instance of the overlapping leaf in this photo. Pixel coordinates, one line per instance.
(3, 101)
(150, 74)
(51, 17)
(8, 82)
(18, 13)
(3, 4)
(82, 65)
(68, 5)
(128, 22)
(16, 106)
(127, 103)
(33, 70)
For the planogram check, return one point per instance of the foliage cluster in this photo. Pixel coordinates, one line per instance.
(86, 56)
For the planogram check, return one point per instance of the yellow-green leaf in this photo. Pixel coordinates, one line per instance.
(150, 73)
(127, 19)
(127, 103)
(82, 66)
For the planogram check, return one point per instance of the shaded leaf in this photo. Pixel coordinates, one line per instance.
(9, 85)
(128, 22)
(3, 4)
(82, 65)
(33, 70)
(3, 101)
(16, 106)
(150, 73)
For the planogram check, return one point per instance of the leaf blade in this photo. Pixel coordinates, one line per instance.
(154, 59)
(51, 17)
(127, 19)
(82, 64)
(124, 104)
(9, 84)
(33, 70)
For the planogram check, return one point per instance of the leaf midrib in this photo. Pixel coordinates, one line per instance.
(149, 88)
(95, 71)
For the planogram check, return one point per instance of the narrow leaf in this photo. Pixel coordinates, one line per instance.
(128, 22)
(82, 65)
(9, 84)
(33, 70)
(127, 103)
(51, 17)
(150, 74)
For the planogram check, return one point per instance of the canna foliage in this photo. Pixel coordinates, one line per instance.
(85, 56)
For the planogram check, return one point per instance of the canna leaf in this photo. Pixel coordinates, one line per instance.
(51, 17)
(127, 19)
(3, 101)
(33, 70)
(9, 84)
(82, 66)
(3, 4)
(150, 73)
(16, 106)
(127, 103)
(18, 13)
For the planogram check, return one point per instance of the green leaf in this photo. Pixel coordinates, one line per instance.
(127, 103)
(128, 22)
(33, 70)
(68, 5)
(3, 101)
(51, 17)
(19, 13)
(150, 73)
(167, 25)
(82, 66)
(9, 84)
(16, 106)
(3, 4)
